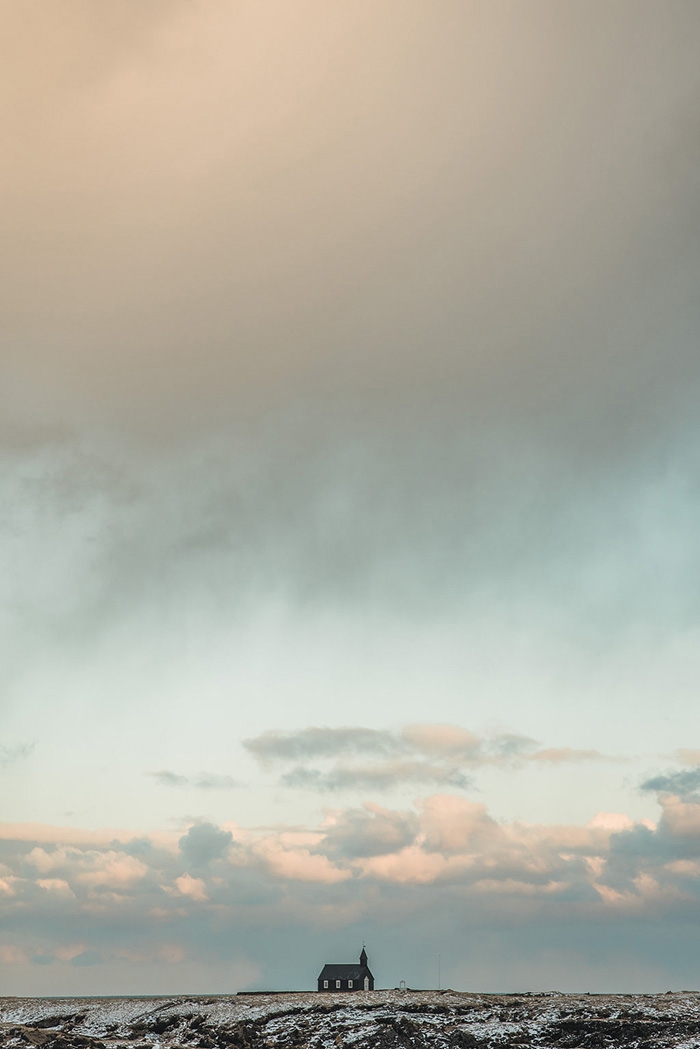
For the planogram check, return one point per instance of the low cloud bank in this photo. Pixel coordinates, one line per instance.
(214, 895)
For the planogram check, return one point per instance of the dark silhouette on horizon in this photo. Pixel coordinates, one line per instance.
(347, 977)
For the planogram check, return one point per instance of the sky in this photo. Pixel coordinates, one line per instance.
(349, 494)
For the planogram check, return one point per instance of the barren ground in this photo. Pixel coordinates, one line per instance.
(380, 1020)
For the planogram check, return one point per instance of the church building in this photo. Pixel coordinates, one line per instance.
(347, 977)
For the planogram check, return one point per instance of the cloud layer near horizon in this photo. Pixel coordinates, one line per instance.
(226, 896)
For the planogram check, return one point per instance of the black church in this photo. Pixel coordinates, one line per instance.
(347, 977)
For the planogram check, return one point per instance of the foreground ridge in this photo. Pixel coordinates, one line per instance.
(379, 1020)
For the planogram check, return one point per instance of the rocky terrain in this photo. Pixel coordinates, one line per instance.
(380, 1020)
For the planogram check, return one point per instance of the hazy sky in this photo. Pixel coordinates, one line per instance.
(349, 493)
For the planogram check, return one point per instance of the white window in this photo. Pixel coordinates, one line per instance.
(337, 984)
(325, 985)
(349, 985)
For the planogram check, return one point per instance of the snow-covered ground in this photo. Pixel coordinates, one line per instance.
(379, 1019)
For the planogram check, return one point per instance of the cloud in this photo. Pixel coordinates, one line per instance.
(204, 843)
(444, 741)
(441, 745)
(381, 776)
(349, 380)
(610, 821)
(9, 755)
(558, 755)
(195, 888)
(114, 870)
(369, 867)
(298, 864)
(452, 825)
(170, 779)
(86, 958)
(421, 754)
(376, 314)
(369, 831)
(204, 781)
(684, 784)
(275, 746)
(55, 885)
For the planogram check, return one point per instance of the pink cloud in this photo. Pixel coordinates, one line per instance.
(451, 824)
(411, 865)
(446, 741)
(298, 864)
(56, 885)
(679, 818)
(195, 888)
(558, 755)
(612, 821)
(115, 870)
(444, 844)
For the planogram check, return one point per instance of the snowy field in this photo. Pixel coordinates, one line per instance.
(381, 1019)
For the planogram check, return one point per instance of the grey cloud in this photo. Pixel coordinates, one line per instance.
(668, 855)
(204, 843)
(273, 746)
(210, 781)
(381, 776)
(421, 753)
(86, 958)
(685, 783)
(170, 779)
(512, 744)
(9, 755)
(370, 831)
(203, 781)
(637, 850)
(444, 747)
(141, 847)
(438, 742)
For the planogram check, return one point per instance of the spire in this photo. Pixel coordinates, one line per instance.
(363, 956)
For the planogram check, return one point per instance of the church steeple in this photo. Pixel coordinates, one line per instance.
(363, 956)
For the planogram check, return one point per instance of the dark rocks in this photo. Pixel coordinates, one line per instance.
(382, 1020)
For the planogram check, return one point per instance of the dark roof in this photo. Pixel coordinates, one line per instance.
(344, 972)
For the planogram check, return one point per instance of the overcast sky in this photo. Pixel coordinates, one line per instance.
(350, 493)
